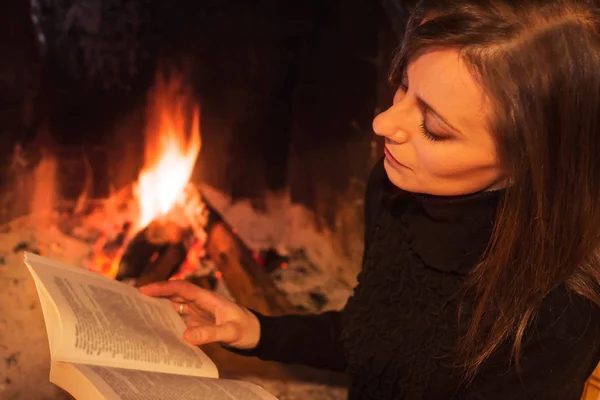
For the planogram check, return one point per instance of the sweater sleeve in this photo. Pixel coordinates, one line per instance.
(555, 363)
(312, 340)
(315, 339)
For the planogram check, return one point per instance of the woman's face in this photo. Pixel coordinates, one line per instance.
(437, 139)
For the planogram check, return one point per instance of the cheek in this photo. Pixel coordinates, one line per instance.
(441, 160)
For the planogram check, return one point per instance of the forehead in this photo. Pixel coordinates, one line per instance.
(443, 81)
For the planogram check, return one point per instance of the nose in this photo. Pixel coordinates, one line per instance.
(391, 124)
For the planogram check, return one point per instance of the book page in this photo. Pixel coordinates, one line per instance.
(123, 384)
(51, 316)
(105, 322)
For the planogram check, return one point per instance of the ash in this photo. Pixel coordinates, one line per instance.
(316, 279)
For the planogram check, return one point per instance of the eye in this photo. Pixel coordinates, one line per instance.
(430, 135)
(426, 129)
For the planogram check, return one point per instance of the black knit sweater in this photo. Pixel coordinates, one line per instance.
(396, 335)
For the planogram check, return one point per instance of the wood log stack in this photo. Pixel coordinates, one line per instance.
(248, 282)
(156, 252)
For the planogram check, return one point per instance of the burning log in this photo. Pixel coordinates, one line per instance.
(155, 253)
(248, 283)
(158, 251)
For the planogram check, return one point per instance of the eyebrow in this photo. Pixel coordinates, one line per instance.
(437, 114)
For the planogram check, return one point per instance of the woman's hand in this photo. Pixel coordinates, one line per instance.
(209, 317)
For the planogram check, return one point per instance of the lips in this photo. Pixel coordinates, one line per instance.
(390, 157)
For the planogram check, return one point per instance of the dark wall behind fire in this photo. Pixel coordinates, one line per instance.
(287, 89)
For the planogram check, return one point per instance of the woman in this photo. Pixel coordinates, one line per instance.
(481, 266)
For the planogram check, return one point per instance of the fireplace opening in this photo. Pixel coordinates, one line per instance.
(223, 142)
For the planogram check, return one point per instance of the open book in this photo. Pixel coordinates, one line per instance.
(108, 341)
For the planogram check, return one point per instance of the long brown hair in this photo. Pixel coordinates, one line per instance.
(539, 63)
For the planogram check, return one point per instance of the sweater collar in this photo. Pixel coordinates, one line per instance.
(449, 233)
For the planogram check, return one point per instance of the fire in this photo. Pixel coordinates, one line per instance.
(171, 150)
(172, 144)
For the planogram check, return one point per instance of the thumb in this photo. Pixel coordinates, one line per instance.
(225, 333)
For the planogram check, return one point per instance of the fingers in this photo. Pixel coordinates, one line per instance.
(193, 321)
(189, 309)
(180, 306)
(183, 292)
(227, 333)
(178, 288)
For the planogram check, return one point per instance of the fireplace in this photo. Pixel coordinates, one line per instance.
(227, 143)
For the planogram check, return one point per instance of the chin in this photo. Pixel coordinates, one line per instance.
(400, 179)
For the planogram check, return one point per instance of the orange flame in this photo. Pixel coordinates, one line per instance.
(103, 263)
(171, 150)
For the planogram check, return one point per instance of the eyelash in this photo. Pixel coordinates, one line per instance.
(426, 133)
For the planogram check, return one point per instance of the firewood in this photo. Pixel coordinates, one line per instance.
(154, 254)
(248, 283)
